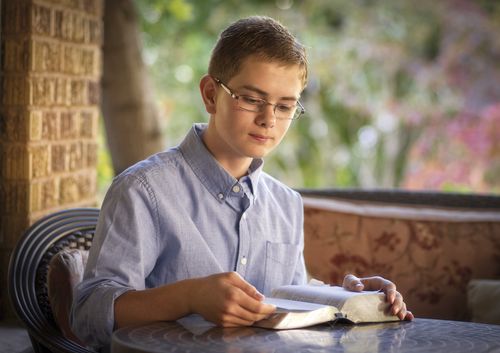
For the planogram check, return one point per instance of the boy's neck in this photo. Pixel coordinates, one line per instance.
(236, 166)
(235, 169)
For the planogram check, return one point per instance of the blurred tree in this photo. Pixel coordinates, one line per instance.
(129, 108)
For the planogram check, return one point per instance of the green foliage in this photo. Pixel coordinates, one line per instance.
(105, 170)
(379, 71)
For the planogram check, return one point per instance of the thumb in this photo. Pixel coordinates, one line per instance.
(352, 283)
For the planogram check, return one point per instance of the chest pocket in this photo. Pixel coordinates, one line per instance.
(281, 262)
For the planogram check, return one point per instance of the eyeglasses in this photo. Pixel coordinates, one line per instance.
(257, 105)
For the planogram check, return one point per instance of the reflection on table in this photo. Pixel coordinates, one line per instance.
(193, 334)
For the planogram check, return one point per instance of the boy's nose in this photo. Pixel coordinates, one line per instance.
(266, 117)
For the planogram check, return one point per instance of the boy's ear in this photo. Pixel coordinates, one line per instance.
(208, 90)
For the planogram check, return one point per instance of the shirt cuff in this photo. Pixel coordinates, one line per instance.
(92, 318)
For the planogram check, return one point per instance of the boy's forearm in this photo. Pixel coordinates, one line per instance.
(165, 303)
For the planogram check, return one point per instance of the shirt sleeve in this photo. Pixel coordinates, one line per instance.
(123, 253)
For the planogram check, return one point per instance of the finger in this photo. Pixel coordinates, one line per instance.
(259, 312)
(377, 283)
(239, 303)
(398, 308)
(398, 302)
(392, 296)
(352, 283)
(246, 287)
(409, 316)
(257, 307)
(401, 314)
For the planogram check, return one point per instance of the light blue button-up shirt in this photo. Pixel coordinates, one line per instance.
(180, 215)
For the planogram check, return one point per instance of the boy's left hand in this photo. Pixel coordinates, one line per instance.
(398, 306)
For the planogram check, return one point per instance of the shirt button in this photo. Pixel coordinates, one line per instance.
(243, 260)
(220, 195)
(236, 188)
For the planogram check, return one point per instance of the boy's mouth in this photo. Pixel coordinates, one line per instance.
(261, 138)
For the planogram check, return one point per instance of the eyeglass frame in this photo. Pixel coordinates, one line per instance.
(299, 107)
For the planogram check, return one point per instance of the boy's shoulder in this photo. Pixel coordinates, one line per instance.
(276, 187)
(159, 163)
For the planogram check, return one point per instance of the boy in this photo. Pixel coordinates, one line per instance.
(200, 228)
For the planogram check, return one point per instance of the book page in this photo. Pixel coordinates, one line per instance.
(286, 305)
(325, 294)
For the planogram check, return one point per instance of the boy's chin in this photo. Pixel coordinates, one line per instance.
(258, 155)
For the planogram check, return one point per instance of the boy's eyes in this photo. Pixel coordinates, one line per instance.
(260, 102)
(252, 100)
(284, 108)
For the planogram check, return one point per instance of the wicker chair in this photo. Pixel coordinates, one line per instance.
(28, 267)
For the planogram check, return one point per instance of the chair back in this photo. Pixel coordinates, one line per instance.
(29, 267)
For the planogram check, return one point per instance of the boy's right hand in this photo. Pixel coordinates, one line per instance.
(227, 300)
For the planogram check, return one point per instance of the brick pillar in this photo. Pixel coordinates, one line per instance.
(50, 71)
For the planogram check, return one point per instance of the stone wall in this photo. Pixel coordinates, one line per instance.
(49, 109)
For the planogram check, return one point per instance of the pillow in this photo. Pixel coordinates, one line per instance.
(483, 296)
(65, 271)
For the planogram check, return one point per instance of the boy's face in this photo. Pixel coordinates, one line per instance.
(243, 134)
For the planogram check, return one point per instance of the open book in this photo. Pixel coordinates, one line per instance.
(306, 305)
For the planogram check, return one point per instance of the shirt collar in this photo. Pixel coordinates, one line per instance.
(215, 178)
(254, 173)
